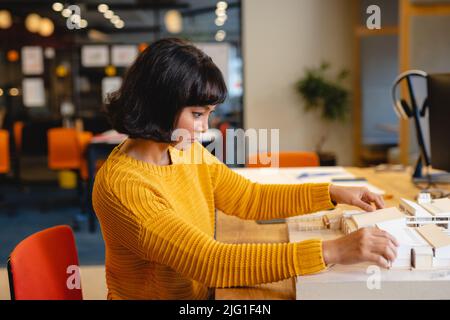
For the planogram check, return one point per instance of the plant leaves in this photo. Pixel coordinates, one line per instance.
(322, 93)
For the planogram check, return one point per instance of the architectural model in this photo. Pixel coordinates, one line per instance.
(422, 229)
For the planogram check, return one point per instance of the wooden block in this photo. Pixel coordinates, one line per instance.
(414, 209)
(422, 258)
(435, 236)
(370, 219)
(438, 207)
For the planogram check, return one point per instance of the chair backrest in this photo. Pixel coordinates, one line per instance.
(41, 267)
(286, 159)
(4, 152)
(64, 149)
(17, 129)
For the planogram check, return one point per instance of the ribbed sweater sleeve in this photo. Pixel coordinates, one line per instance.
(155, 232)
(238, 196)
(173, 242)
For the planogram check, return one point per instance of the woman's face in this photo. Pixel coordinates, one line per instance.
(191, 123)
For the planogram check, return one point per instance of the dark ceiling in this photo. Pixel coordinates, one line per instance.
(143, 19)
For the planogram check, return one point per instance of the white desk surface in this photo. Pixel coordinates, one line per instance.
(350, 282)
(290, 176)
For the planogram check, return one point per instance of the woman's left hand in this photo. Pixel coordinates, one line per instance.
(356, 196)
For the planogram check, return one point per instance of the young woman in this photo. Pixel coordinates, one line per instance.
(155, 197)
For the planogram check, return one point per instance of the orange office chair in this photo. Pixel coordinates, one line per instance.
(4, 152)
(286, 159)
(17, 130)
(44, 266)
(4, 157)
(64, 151)
(66, 148)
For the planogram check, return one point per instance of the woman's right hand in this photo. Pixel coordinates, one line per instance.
(364, 245)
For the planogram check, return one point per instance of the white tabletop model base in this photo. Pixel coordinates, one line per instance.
(366, 281)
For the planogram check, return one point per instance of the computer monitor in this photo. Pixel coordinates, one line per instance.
(439, 120)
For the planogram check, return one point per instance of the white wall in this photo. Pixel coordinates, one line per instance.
(280, 39)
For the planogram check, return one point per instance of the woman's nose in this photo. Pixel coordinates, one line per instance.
(204, 126)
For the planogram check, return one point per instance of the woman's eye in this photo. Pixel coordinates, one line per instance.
(197, 114)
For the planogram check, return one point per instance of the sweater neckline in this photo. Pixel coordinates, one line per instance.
(167, 169)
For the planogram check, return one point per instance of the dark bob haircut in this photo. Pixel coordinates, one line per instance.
(169, 75)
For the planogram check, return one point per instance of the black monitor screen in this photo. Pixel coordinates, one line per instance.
(439, 103)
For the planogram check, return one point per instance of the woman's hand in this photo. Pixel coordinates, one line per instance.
(356, 196)
(365, 245)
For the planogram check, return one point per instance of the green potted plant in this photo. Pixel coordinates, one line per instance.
(328, 95)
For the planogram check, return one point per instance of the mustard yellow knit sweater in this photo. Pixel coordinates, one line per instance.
(158, 226)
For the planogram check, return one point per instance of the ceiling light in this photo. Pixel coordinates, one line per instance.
(119, 24)
(219, 22)
(5, 19)
(173, 21)
(222, 5)
(220, 35)
(13, 92)
(108, 14)
(115, 18)
(46, 27)
(32, 22)
(220, 12)
(57, 6)
(66, 13)
(83, 23)
(102, 8)
(222, 18)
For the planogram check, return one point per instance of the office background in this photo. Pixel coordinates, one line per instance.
(264, 48)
